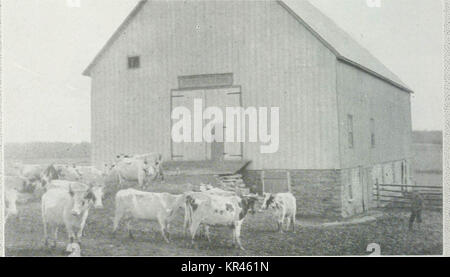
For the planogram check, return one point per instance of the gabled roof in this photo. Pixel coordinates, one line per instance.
(334, 38)
(117, 33)
(341, 43)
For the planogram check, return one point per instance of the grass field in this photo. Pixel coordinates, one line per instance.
(24, 237)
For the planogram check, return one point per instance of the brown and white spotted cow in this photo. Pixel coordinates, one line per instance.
(217, 210)
(284, 205)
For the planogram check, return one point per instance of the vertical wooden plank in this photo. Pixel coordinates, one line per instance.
(378, 193)
(289, 180)
(262, 181)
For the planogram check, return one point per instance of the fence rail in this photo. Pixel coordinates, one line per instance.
(399, 195)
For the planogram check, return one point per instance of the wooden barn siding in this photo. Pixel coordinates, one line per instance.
(272, 56)
(365, 97)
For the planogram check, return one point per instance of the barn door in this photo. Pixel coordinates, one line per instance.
(222, 98)
(232, 150)
(188, 151)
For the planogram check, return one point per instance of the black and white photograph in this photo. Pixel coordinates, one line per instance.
(222, 128)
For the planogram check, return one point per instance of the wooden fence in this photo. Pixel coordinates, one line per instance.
(399, 195)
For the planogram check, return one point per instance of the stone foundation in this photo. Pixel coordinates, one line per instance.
(318, 192)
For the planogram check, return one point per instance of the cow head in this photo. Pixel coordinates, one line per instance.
(82, 201)
(98, 192)
(148, 168)
(269, 200)
(49, 174)
(247, 205)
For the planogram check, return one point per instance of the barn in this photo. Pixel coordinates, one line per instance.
(344, 118)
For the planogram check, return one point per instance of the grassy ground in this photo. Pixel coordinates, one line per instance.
(24, 237)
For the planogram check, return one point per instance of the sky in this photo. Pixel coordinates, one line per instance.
(48, 43)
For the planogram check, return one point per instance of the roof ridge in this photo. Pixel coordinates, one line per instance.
(346, 36)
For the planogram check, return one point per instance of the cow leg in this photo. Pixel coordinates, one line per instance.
(83, 223)
(55, 236)
(293, 222)
(288, 223)
(281, 220)
(207, 233)
(117, 217)
(130, 234)
(187, 217)
(163, 224)
(163, 232)
(45, 234)
(70, 233)
(233, 239)
(193, 228)
(238, 235)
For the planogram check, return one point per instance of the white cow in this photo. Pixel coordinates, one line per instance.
(59, 172)
(91, 175)
(32, 172)
(68, 172)
(284, 205)
(10, 202)
(151, 206)
(133, 170)
(65, 207)
(18, 183)
(217, 210)
(97, 190)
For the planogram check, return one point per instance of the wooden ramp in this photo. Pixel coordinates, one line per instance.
(203, 167)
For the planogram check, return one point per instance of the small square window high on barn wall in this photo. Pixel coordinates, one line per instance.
(134, 62)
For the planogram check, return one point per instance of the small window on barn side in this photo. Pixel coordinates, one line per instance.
(134, 62)
(350, 130)
(372, 132)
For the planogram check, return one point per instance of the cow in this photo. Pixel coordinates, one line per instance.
(217, 210)
(284, 205)
(91, 175)
(154, 160)
(10, 202)
(97, 190)
(151, 206)
(66, 207)
(59, 172)
(133, 170)
(49, 174)
(18, 183)
(68, 172)
(32, 172)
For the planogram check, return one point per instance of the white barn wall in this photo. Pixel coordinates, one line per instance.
(273, 57)
(365, 96)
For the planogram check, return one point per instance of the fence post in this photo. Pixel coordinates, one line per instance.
(262, 182)
(378, 193)
(289, 181)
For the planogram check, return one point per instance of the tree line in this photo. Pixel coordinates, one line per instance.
(44, 150)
